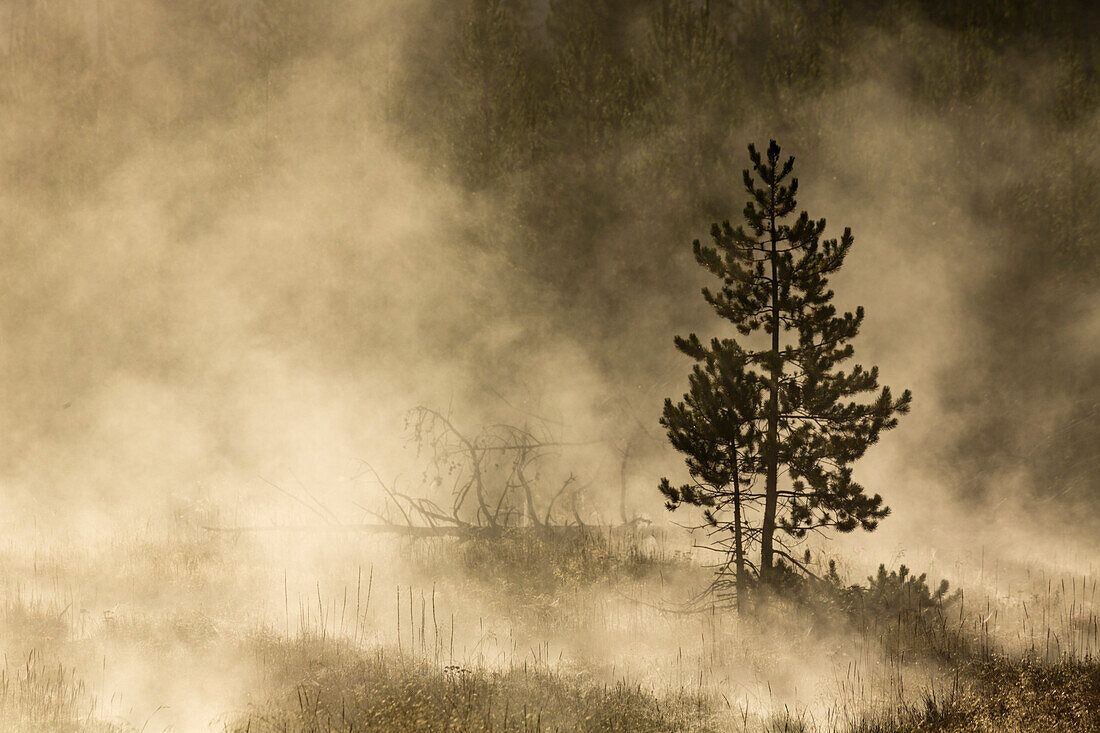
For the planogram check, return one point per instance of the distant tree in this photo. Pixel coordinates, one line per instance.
(691, 59)
(790, 403)
(594, 84)
(494, 107)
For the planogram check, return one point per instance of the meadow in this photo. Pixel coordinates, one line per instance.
(173, 627)
(239, 239)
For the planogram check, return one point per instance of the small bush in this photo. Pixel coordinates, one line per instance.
(898, 607)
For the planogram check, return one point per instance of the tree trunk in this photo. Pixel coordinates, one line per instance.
(767, 529)
(738, 546)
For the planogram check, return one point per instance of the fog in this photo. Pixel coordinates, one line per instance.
(240, 240)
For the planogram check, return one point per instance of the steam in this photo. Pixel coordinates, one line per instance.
(234, 253)
(214, 267)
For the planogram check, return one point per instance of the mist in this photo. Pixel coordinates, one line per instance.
(240, 240)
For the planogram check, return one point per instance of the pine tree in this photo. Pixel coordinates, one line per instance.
(714, 426)
(775, 280)
(494, 105)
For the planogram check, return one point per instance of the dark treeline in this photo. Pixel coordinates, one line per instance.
(609, 133)
(614, 128)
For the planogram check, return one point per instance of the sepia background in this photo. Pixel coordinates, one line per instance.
(240, 239)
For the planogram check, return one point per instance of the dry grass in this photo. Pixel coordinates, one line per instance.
(543, 632)
(320, 687)
(36, 696)
(1003, 695)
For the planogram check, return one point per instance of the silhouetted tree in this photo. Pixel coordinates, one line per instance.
(714, 426)
(775, 279)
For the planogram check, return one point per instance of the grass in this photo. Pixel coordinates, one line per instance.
(177, 630)
(35, 696)
(1003, 694)
(318, 687)
(550, 561)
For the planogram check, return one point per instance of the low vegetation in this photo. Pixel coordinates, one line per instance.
(529, 632)
(39, 696)
(1003, 694)
(385, 690)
